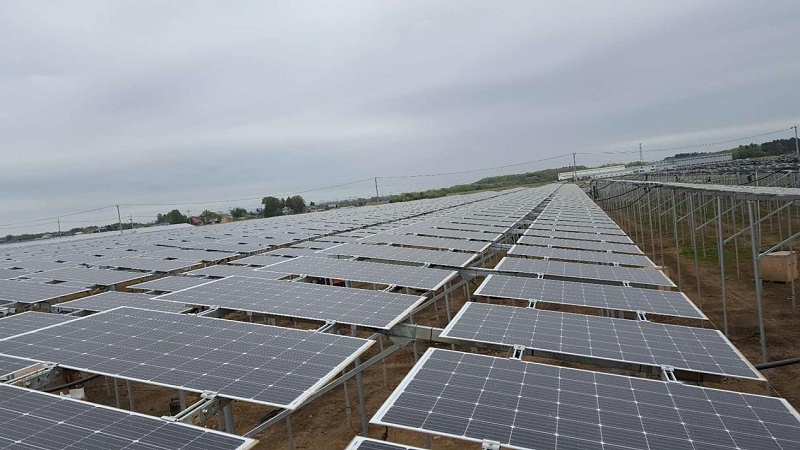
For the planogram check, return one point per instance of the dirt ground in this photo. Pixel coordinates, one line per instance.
(328, 423)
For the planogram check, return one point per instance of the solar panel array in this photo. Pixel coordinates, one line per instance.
(616, 298)
(368, 272)
(630, 341)
(580, 245)
(578, 271)
(109, 300)
(35, 420)
(31, 292)
(412, 255)
(243, 361)
(580, 255)
(580, 236)
(169, 284)
(536, 406)
(425, 241)
(28, 321)
(374, 309)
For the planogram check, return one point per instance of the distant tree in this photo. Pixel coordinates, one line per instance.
(311, 204)
(296, 203)
(209, 216)
(238, 213)
(160, 218)
(272, 206)
(174, 217)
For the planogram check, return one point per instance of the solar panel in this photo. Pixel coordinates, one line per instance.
(368, 272)
(390, 253)
(25, 292)
(257, 260)
(441, 232)
(579, 236)
(528, 405)
(620, 298)
(425, 241)
(578, 272)
(169, 284)
(376, 309)
(35, 420)
(268, 365)
(6, 274)
(27, 321)
(10, 366)
(292, 252)
(580, 245)
(362, 443)
(576, 229)
(226, 270)
(114, 299)
(147, 264)
(92, 277)
(608, 224)
(581, 255)
(630, 341)
(35, 265)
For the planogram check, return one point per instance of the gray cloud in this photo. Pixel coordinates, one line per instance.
(154, 102)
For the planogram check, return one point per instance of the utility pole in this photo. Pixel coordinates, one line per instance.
(131, 222)
(59, 227)
(574, 169)
(641, 159)
(377, 196)
(119, 218)
(796, 144)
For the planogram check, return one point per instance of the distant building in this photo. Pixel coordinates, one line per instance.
(286, 211)
(195, 221)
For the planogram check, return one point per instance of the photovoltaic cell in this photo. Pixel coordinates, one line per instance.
(170, 284)
(36, 420)
(26, 292)
(363, 271)
(579, 236)
(27, 321)
(576, 229)
(426, 241)
(376, 309)
(109, 300)
(581, 255)
(219, 271)
(579, 272)
(273, 366)
(390, 253)
(620, 298)
(580, 245)
(527, 405)
(630, 341)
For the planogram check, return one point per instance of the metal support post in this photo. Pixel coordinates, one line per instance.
(693, 237)
(130, 394)
(721, 254)
(227, 412)
(289, 437)
(182, 398)
(362, 408)
(116, 393)
(757, 276)
(677, 243)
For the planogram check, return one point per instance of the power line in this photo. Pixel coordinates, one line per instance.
(476, 170)
(31, 222)
(684, 147)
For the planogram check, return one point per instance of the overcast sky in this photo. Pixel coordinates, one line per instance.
(170, 102)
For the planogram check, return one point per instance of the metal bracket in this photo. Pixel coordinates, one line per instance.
(615, 264)
(390, 288)
(641, 316)
(329, 324)
(626, 283)
(517, 352)
(668, 374)
(546, 258)
(39, 378)
(540, 276)
(212, 311)
(532, 303)
(490, 445)
(208, 406)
